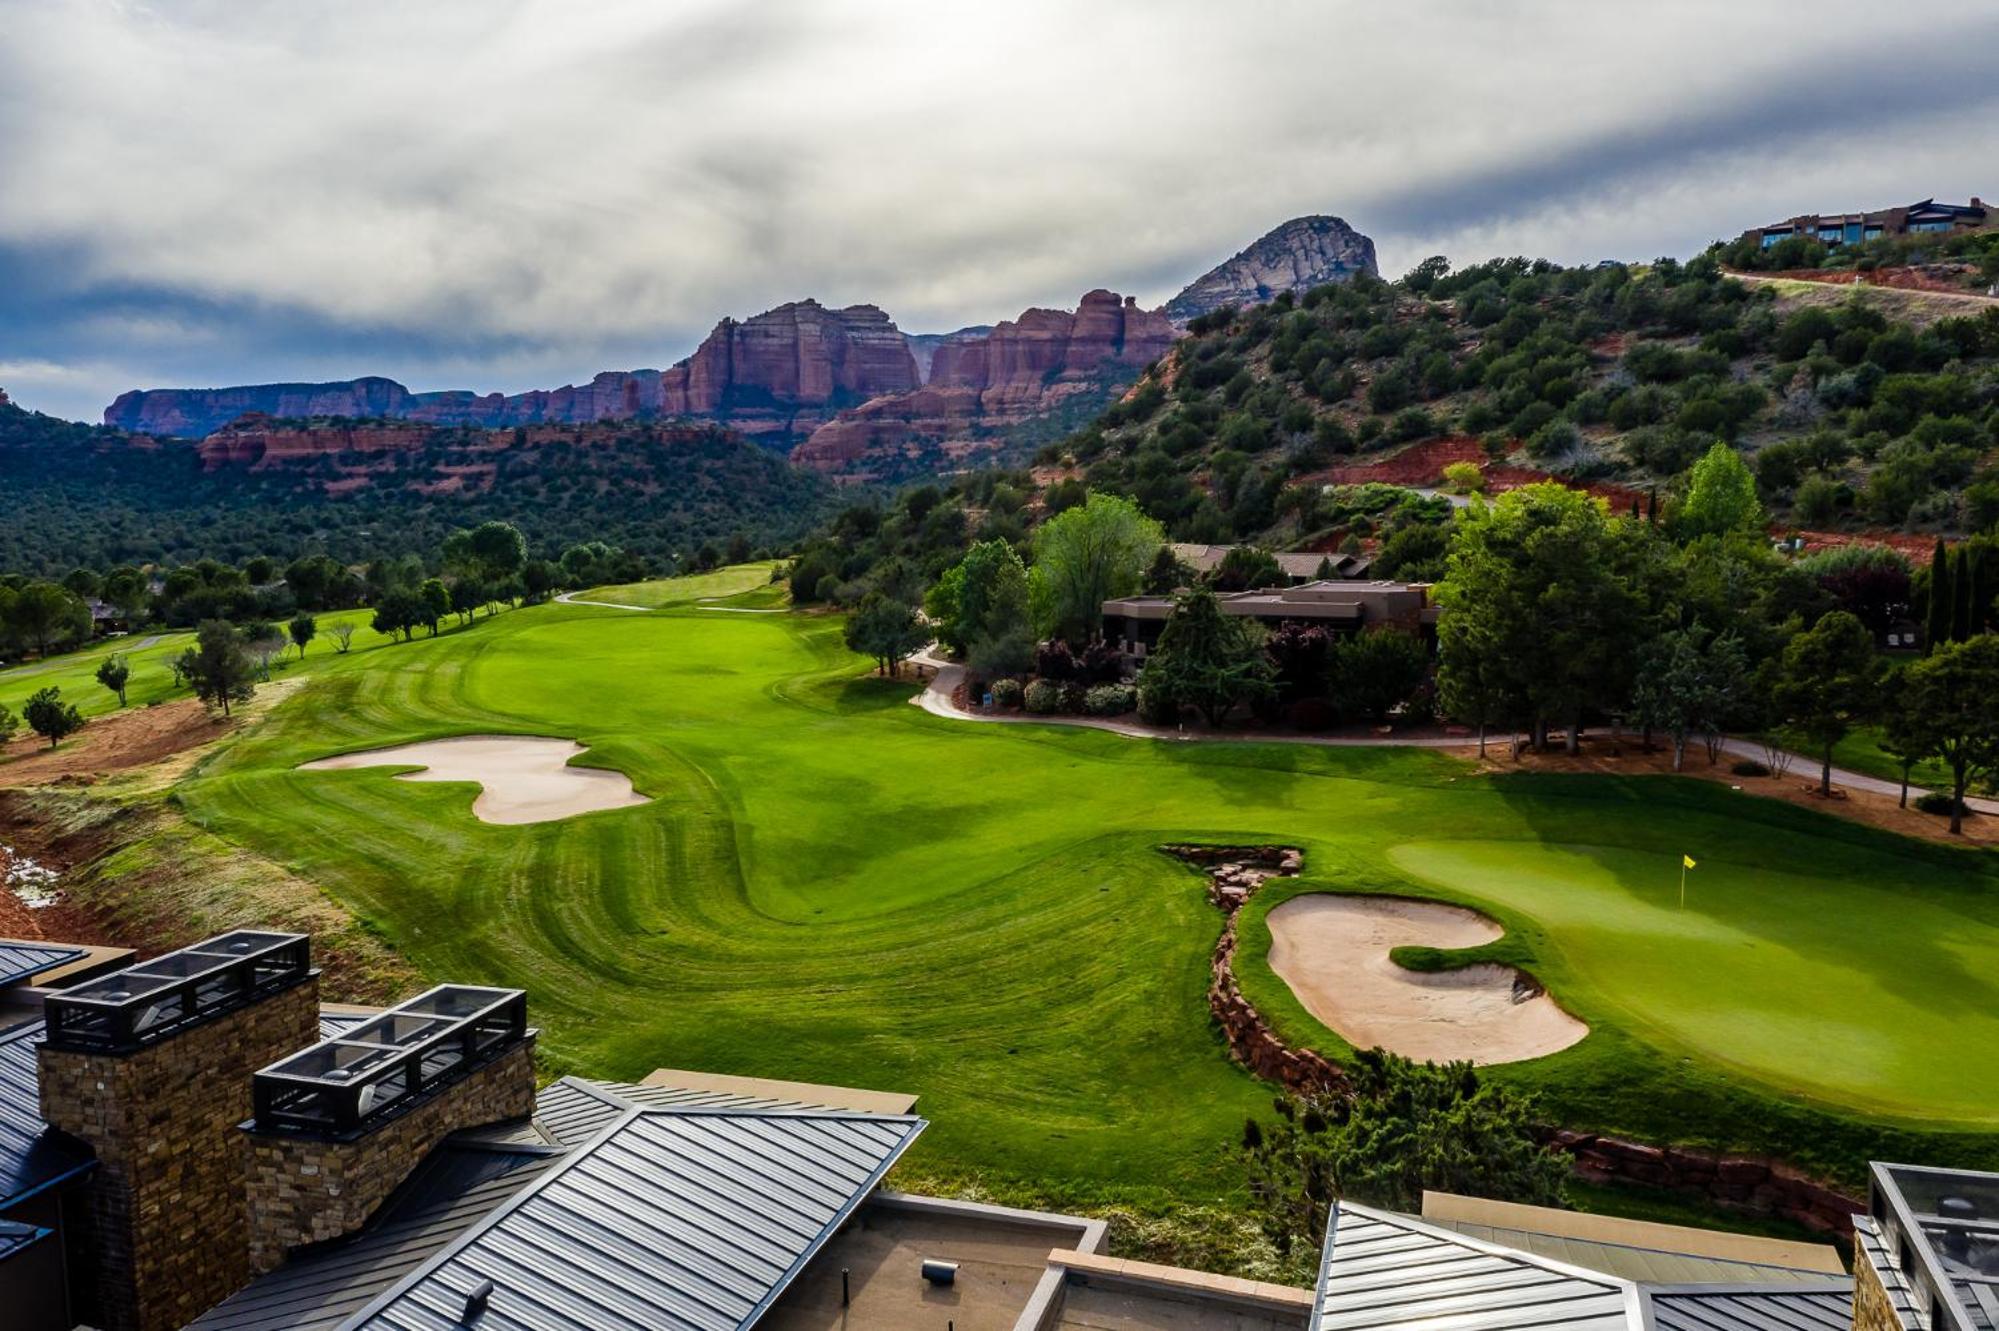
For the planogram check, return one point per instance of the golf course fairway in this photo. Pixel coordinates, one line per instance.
(827, 884)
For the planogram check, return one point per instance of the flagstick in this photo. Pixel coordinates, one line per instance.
(1683, 882)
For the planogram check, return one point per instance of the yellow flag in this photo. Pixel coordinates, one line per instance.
(1687, 860)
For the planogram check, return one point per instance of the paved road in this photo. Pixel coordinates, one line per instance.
(569, 598)
(936, 699)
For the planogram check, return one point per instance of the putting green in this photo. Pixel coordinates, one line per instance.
(1874, 991)
(831, 885)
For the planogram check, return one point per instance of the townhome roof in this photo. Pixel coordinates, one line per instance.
(1382, 1270)
(648, 1178)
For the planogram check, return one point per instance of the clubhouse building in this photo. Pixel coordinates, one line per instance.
(1338, 606)
(199, 1141)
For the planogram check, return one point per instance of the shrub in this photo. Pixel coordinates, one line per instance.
(1313, 714)
(1054, 660)
(1043, 697)
(1750, 767)
(1110, 700)
(1156, 706)
(1935, 801)
(1464, 477)
(1006, 693)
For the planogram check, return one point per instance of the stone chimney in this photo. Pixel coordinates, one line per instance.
(150, 1066)
(338, 1127)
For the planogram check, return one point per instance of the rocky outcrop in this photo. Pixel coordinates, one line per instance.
(984, 383)
(776, 376)
(1305, 252)
(340, 455)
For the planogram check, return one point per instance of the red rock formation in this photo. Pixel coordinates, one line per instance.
(984, 383)
(780, 374)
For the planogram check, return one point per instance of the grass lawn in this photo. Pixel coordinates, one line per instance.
(731, 581)
(832, 885)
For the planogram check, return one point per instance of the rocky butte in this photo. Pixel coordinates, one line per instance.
(1303, 253)
(986, 382)
(775, 376)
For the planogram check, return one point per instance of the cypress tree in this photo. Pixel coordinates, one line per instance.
(1936, 624)
(1652, 506)
(1960, 583)
(1980, 570)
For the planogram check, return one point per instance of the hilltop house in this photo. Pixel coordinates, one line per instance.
(1853, 228)
(198, 1141)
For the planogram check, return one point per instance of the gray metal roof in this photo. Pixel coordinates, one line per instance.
(671, 1220)
(32, 1157)
(20, 961)
(1652, 1265)
(320, 1287)
(1826, 1305)
(1384, 1270)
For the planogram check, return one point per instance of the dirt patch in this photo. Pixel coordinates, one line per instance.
(1333, 951)
(120, 741)
(1423, 463)
(1799, 786)
(521, 778)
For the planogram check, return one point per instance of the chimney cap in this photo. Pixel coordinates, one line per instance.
(390, 1063)
(151, 1000)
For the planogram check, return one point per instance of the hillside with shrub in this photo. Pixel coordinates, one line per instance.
(1615, 377)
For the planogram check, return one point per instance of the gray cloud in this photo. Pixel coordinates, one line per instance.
(470, 193)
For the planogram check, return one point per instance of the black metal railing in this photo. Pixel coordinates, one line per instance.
(141, 1004)
(389, 1063)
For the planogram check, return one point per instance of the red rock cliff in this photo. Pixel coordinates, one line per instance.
(778, 374)
(983, 384)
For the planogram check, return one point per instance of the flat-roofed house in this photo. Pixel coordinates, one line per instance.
(1926, 217)
(1341, 607)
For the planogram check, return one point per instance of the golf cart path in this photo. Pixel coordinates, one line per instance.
(936, 700)
(570, 598)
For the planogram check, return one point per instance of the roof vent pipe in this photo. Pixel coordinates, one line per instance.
(475, 1302)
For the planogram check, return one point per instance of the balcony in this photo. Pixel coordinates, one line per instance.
(137, 1006)
(390, 1063)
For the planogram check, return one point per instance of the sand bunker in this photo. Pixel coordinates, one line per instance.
(1333, 952)
(522, 778)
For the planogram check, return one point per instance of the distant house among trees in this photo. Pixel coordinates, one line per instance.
(1135, 622)
(1853, 228)
(1300, 568)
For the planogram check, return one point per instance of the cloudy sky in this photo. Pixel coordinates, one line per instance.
(505, 194)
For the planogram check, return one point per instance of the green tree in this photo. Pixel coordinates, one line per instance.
(218, 667)
(45, 613)
(1246, 568)
(50, 717)
(128, 591)
(1949, 709)
(1374, 672)
(500, 550)
(302, 630)
(1546, 583)
(433, 600)
(1086, 556)
(1207, 660)
(113, 672)
(398, 612)
(1002, 640)
(1721, 496)
(886, 630)
(1826, 683)
(1168, 573)
(1691, 682)
(1936, 623)
(1406, 1128)
(1904, 730)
